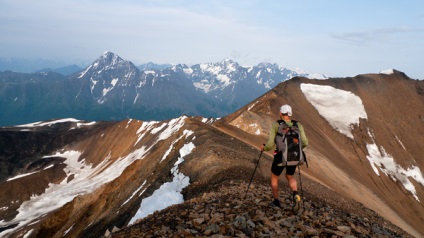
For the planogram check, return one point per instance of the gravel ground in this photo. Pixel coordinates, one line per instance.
(225, 213)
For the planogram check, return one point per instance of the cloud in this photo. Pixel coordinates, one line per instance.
(176, 31)
(377, 35)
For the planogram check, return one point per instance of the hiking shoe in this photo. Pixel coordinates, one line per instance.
(296, 203)
(275, 203)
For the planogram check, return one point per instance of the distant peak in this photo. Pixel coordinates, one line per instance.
(107, 53)
(228, 61)
(266, 64)
(110, 58)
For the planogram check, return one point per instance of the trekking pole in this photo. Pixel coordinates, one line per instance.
(253, 175)
(301, 189)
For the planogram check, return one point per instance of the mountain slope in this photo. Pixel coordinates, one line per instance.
(378, 163)
(115, 174)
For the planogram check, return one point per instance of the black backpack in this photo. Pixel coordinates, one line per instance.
(289, 144)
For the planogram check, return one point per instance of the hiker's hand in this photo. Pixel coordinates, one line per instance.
(262, 147)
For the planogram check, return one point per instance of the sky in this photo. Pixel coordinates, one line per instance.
(336, 38)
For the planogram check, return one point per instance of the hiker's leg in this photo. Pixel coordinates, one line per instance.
(275, 172)
(292, 182)
(274, 185)
(290, 177)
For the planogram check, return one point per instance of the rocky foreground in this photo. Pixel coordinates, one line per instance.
(225, 213)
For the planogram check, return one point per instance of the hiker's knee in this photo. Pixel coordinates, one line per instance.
(289, 177)
(274, 179)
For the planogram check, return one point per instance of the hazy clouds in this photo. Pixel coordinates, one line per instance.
(336, 38)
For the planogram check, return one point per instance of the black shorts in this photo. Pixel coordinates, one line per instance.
(277, 169)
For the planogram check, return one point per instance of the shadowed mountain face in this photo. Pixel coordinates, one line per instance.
(112, 88)
(78, 179)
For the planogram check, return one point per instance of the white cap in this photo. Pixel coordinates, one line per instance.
(286, 109)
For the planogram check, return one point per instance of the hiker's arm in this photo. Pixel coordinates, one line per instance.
(303, 136)
(271, 138)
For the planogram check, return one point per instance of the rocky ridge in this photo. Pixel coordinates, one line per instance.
(225, 213)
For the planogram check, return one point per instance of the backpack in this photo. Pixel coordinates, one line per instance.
(289, 144)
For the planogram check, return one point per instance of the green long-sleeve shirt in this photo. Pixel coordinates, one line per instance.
(273, 132)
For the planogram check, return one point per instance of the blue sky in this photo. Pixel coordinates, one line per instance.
(337, 38)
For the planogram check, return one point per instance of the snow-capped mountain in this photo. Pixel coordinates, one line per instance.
(212, 77)
(111, 77)
(112, 88)
(235, 84)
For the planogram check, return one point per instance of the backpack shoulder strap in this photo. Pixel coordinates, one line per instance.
(280, 121)
(281, 124)
(293, 121)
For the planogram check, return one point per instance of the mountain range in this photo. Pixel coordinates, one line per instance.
(112, 88)
(188, 176)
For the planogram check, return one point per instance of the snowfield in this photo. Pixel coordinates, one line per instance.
(340, 108)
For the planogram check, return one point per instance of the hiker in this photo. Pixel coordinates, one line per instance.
(278, 167)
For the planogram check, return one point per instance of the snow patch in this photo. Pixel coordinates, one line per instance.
(149, 72)
(48, 167)
(173, 126)
(400, 142)
(388, 166)
(134, 193)
(84, 72)
(66, 232)
(113, 83)
(50, 123)
(203, 85)
(188, 70)
(317, 76)
(209, 120)
(28, 234)
(340, 108)
(159, 128)
(169, 193)
(379, 159)
(387, 71)
(251, 106)
(223, 79)
(143, 128)
(93, 85)
(21, 176)
(186, 133)
(128, 123)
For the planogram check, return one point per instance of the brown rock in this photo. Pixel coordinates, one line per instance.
(198, 221)
(344, 229)
(211, 229)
